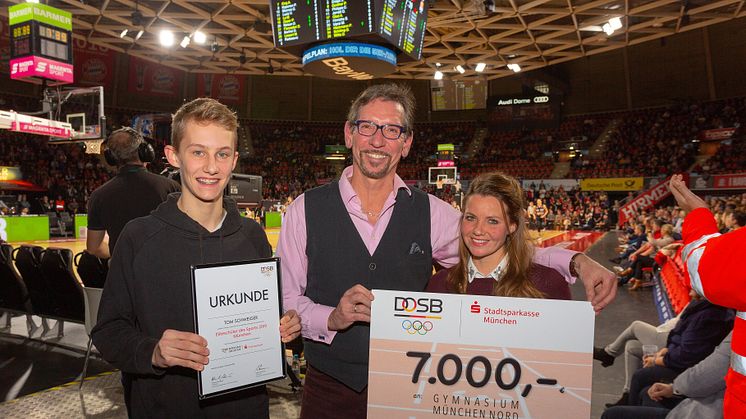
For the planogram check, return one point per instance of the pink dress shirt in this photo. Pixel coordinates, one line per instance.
(444, 235)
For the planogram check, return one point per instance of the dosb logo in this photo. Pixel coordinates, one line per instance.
(420, 305)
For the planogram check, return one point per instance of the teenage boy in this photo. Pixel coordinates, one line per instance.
(145, 325)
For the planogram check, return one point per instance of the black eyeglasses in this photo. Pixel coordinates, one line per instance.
(389, 131)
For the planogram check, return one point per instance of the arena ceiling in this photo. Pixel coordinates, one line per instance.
(533, 34)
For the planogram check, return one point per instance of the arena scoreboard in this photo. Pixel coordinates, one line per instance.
(40, 43)
(402, 23)
(397, 23)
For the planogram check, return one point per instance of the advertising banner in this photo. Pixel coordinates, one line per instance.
(612, 184)
(452, 355)
(94, 64)
(645, 200)
(154, 79)
(33, 66)
(566, 184)
(735, 181)
(718, 134)
(226, 88)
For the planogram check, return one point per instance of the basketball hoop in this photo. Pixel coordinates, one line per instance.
(93, 146)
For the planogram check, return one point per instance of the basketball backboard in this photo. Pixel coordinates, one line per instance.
(442, 175)
(82, 108)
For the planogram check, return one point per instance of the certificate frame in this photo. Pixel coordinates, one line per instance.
(249, 279)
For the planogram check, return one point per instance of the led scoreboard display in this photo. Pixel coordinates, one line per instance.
(299, 22)
(40, 42)
(400, 23)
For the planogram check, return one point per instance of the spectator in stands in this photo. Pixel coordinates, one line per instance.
(133, 192)
(701, 326)
(645, 257)
(696, 393)
(46, 205)
(145, 327)
(494, 248)
(384, 221)
(733, 220)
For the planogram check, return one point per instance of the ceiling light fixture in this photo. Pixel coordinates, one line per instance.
(185, 41)
(438, 75)
(480, 67)
(166, 38)
(123, 33)
(460, 69)
(608, 29)
(200, 37)
(139, 34)
(515, 67)
(615, 23)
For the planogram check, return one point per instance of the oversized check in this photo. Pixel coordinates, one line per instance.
(466, 356)
(237, 310)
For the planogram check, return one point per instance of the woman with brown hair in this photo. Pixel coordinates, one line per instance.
(495, 251)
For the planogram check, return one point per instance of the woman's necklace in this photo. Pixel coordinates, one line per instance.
(371, 213)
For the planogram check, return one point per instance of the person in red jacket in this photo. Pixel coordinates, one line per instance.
(716, 269)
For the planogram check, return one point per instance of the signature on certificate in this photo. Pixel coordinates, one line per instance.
(221, 378)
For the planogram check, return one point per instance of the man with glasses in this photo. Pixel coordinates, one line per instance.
(369, 230)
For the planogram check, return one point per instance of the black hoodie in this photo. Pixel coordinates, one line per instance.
(148, 290)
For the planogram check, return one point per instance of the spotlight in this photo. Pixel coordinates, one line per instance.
(615, 23)
(515, 67)
(438, 75)
(139, 34)
(480, 67)
(123, 33)
(185, 42)
(460, 69)
(166, 38)
(200, 37)
(214, 47)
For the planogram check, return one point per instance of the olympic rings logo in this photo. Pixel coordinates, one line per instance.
(417, 327)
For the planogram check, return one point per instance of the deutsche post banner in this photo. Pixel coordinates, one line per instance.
(612, 184)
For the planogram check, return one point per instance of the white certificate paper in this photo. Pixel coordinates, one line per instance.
(237, 308)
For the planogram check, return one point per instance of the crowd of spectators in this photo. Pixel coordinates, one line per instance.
(568, 209)
(289, 155)
(661, 141)
(654, 236)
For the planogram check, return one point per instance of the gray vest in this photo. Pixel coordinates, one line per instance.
(338, 259)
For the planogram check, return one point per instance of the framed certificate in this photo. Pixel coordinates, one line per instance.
(237, 308)
(453, 355)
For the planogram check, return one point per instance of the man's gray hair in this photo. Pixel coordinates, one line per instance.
(123, 144)
(393, 92)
